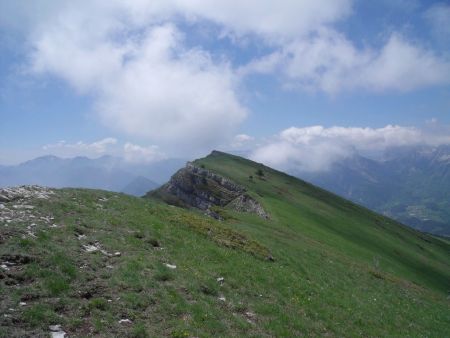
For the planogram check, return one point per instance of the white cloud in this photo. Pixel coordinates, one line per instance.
(101, 46)
(315, 148)
(138, 154)
(108, 146)
(271, 19)
(144, 80)
(329, 62)
(241, 140)
(64, 149)
(151, 87)
(438, 16)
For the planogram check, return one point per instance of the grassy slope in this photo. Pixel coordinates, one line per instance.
(340, 270)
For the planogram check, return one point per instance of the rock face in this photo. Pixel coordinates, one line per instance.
(200, 188)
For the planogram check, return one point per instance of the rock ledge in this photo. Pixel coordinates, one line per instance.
(200, 188)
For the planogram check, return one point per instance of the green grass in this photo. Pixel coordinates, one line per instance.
(339, 270)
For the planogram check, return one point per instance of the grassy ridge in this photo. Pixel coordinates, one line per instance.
(339, 269)
(341, 225)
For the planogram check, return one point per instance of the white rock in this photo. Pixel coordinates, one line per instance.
(55, 328)
(222, 299)
(90, 248)
(22, 303)
(125, 321)
(106, 253)
(4, 267)
(117, 253)
(2, 206)
(250, 314)
(170, 266)
(59, 334)
(220, 279)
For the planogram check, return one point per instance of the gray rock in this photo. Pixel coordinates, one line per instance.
(202, 189)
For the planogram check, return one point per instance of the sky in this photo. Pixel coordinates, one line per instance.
(293, 83)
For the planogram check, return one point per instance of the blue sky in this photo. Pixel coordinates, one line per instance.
(154, 79)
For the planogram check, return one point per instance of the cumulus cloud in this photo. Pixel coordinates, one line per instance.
(151, 87)
(329, 62)
(316, 148)
(147, 80)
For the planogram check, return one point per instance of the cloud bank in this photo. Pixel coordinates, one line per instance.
(133, 153)
(316, 148)
(331, 63)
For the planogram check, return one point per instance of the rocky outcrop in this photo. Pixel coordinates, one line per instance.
(200, 188)
(24, 192)
(245, 203)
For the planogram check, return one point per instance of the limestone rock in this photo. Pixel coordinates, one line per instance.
(200, 188)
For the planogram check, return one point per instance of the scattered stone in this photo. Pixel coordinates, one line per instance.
(25, 192)
(222, 299)
(125, 321)
(170, 266)
(250, 314)
(2, 206)
(22, 303)
(91, 247)
(117, 254)
(220, 280)
(4, 267)
(81, 236)
(250, 317)
(56, 331)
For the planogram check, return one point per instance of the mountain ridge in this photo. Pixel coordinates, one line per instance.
(410, 185)
(91, 262)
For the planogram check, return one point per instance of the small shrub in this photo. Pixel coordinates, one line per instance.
(98, 303)
(26, 243)
(139, 331)
(39, 315)
(56, 285)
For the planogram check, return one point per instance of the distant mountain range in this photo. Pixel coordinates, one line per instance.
(107, 172)
(411, 185)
